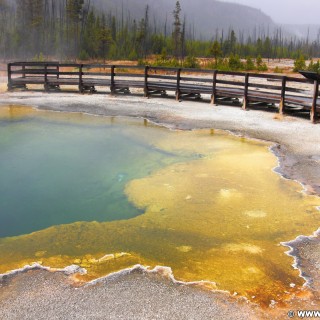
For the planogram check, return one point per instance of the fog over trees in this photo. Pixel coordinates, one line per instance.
(287, 11)
(134, 29)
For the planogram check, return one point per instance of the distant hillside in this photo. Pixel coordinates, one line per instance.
(205, 15)
(76, 29)
(304, 30)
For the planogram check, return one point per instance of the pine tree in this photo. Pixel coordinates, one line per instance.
(113, 28)
(176, 34)
(141, 38)
(105, 38)
(233, 42)
(4, 28)
(74, 10)
(216, 51)
(90, 42)
(267, 48)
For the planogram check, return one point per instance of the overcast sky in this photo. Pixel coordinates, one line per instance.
(287, 11)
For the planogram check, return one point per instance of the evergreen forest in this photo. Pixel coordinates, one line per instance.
(69, 30)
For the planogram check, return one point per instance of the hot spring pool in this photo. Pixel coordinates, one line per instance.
(109, 193)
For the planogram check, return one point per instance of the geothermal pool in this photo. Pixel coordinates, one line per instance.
(109, 193)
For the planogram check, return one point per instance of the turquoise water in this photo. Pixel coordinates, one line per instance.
(55, 172)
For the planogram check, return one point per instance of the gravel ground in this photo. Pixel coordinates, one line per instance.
(141, 296)
(136, 295)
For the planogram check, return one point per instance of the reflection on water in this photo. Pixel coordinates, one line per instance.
(214, 210)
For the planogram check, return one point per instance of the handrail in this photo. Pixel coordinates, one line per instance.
(53, 63)
(155, 76)
(266, 76)
(120, 66)
(185, 82)
(101, 66)
(164, 68)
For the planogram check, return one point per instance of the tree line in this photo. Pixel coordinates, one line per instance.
(75, 29)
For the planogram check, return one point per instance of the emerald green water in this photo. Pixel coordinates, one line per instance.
(56, 172)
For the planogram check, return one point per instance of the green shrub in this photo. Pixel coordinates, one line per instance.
(222, 65)
(38, 58)
(278, 70)
(84, 55)
(300, 63)
(263, 67)
(191, 62)
(235, 63)
(142, 62)
(133, 55)
(249, 65)
(259, 61)
(166, 62)
(164, 54)
(315, 67)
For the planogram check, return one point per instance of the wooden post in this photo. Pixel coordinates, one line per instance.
(214, 87)
(178, 93)
(80, 78)
(283, 95)
(9, 77)
(112, 86)
(46, 85)
(146, 92)
(313, 111)
(23, 71)
(58, 71)
(245, 96)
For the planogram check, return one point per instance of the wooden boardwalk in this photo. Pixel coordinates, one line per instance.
(283, 92)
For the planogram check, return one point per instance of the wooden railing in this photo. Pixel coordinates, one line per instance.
(252, 88)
